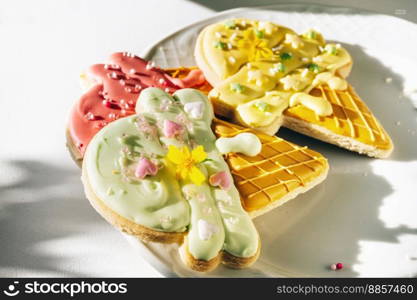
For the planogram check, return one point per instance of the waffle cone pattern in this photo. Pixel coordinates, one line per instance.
(351, 117)
(279, 170)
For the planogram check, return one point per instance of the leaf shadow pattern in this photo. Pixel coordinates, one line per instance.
(43, 204)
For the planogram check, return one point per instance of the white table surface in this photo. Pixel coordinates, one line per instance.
(47, 227)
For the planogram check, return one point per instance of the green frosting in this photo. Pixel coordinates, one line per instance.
(214, 217)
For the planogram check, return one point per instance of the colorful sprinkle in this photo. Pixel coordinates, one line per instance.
(259, 34)
(279, 67)
(110, 191)
(262, 106)
(331, 49)
(286, 56)
(90, 116)
(313, 68)
(230, 24)
(337, 266)
(194, 109)
(113, 75)
(237, 88)
(311, 34)
(220, 45)
(171, 129)
(145, 167)
(221, 179)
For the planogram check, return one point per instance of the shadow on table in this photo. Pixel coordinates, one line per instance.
(35, 209)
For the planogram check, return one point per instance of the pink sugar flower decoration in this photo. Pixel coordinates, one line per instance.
(171, 129)
(145, 167)
(221, 179)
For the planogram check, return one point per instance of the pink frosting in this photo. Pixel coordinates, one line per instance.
(171, 129)
(221, 179)
(145, 167)
(118, 85)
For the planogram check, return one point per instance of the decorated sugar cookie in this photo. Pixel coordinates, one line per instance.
(158, 175)
(265, 75)
(296, 169)
(267, 170)
(111, 93)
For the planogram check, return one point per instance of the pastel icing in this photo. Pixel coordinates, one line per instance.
(112, 91)
(252, 62)
(246, 143)
(165, 200)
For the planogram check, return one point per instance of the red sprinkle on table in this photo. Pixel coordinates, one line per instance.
(337, 266)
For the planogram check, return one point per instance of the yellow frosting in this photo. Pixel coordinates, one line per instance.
(262, 111)
(319, 105)
(351, 117)
(261, 62)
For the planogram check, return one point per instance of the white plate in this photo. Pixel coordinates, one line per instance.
(364, 214)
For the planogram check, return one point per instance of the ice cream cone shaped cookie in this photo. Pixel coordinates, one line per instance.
(278, 173)
(265, 75)
(111, 92)
(159, 176)
(255, 203)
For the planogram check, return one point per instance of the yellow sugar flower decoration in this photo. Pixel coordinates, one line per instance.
(185, 162)
(258, 47)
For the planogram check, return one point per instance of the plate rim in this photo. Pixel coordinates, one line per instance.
(149, 49)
